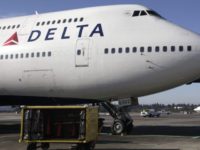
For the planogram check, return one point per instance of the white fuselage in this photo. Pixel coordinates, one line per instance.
(93, 54)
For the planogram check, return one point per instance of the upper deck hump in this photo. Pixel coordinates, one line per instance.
(82, 10)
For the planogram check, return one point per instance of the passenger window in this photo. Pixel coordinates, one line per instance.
(79, 52)
(43, 54)
(134, 49)
(18, 26)
(27, 55)
(76, 19)
(113, 50)
(49, 54)
(120, 50)
(70, 20)
(149, 49)
(143, 13)
(189, 48)
(13, 26)
(38, 54)
(36, 24)
(106, 51)
(180, 48)
(43, 23)
(53, 22)
(32, 55)
(81, 19)
(173, 48)
(65, 20)
(22, 55)
(48, 23)
(141, 49)
(1, 57)
(127, 49)
(8, 27)
(157, 49)
(136, 13)
(164, 48)
(6, 56)
(59, 21)
(11, 56)
(4, 27)
(16, 56)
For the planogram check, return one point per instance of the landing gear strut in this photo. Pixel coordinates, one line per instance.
(123, 123)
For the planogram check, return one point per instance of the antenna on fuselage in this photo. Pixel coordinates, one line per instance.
(36, 12)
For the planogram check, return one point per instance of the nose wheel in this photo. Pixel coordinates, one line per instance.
(117, 127)
(122, 123)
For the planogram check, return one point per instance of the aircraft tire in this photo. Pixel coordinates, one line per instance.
(117, 127)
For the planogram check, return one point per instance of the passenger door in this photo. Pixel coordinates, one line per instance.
(82, 53)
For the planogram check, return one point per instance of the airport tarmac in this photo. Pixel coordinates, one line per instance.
(173, 132)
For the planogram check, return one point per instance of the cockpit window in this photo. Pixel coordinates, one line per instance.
(143, 13)
(153, 13)
(136, 13)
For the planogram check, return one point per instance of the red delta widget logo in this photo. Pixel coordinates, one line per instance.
(13, 40)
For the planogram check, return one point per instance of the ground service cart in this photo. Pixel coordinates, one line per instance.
(59, 124)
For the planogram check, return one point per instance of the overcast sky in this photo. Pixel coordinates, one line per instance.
(183, 12)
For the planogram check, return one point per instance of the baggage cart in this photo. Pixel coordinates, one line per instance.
(59, 124)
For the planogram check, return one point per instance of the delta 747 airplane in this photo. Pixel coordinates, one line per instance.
(94, 54)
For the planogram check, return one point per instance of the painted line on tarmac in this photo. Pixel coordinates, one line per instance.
(8, 136)
(196, 137)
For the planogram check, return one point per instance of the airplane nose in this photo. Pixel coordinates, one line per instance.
(197, 48)
(194, 39)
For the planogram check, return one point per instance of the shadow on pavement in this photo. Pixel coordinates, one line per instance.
(9, 129)
(138, 130)
(122, 149)
(136, 149)
(162, 130)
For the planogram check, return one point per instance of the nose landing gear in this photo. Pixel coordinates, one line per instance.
(123, 123)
